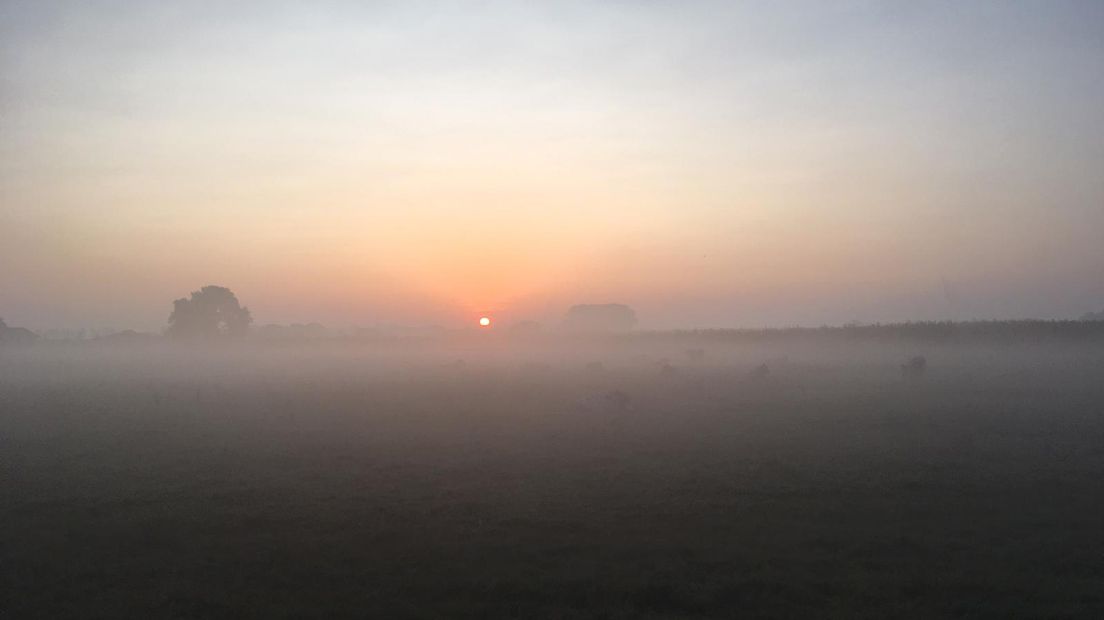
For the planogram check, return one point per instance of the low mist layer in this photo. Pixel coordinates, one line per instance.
(662, 477)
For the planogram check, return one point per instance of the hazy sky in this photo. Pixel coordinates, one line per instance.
(709, 163)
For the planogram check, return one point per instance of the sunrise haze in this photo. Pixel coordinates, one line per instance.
(708, 164)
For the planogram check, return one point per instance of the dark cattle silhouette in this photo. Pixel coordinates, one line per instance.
(914, 368)
(617, 400)
(595, 367)
(762, 371)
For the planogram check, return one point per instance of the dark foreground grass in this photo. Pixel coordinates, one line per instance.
(334, 486)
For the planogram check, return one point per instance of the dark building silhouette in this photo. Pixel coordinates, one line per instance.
(15, 335)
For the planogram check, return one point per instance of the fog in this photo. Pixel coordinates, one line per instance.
(551, 475)
(551, 309)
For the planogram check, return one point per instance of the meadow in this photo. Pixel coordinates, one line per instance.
(635, 478)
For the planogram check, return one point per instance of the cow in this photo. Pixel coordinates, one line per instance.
(762, 371)
(914, 368)
(695, 355)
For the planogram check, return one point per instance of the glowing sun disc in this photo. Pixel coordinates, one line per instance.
(484, 321)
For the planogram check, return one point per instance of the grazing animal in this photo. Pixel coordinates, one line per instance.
(695, 355)
(914, 368)
(762, 371)
(665, 368)
(608, 402)
(595, 367)
(617, 400)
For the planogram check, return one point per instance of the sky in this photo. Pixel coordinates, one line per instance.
(711, 164)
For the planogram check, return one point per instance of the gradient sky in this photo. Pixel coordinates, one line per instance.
(709, 163)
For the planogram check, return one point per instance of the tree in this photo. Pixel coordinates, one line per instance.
(211, 312)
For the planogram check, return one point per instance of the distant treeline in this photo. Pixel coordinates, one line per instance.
(934, 332)
(927, 331)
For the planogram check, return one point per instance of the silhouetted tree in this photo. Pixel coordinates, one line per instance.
(211, 312)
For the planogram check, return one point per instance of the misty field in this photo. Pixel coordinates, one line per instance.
(637, 479)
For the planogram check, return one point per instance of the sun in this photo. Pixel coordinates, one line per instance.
(484, 321)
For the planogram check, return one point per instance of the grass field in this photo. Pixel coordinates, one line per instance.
(491, 482)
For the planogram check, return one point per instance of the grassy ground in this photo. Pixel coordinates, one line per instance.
(336, 484)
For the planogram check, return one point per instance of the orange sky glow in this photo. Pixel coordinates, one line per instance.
(709, 165)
